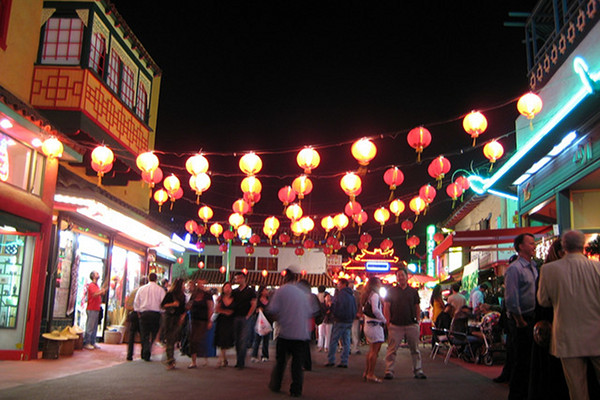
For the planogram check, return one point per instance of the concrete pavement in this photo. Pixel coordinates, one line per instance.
(104, 373)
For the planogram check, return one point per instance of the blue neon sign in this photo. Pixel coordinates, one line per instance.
(377, 266)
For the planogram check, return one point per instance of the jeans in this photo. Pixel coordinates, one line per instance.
(395, 335)
(240, 336)
(284, 348)
(134, 327)
(265, 345)
(340, 330)
(91, 327)
(149, 325)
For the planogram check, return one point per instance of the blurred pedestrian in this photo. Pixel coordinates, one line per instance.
(147, 303)
(200, 307)
(173, 306)
(224, 329)
(372, 309)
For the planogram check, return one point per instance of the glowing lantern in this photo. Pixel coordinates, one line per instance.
(245, 271)
(352, 249)
(438, 168)
(273, 251)
(296, 228)
(309, 244)
(223, 247)
(103, 157)
(331, 241)
(241, 207)
(419, 138)
(200, 246)
(179, 260)
(201, 264)
(252, 198)
(397, 207)
(351, 184)
(303, 272)
(284, 238)
(152, 178)
(191, 226)
(438, 237)
(176, 196)
(302, 186)
(201, 230)
(463, 182)
(363, 245)
(406, 226)
(216, 229)
(454, 191)
(340, 221)
(386, 244)
(327, 224)
(264, 273)
(270, 227)
(307, 224)
(364, 151)
(381, 215)
(228, 235)
(200, 184)
(286, 195)
(337, 245)
(251, 184)
(249, 250)
(327, 250)
(365, 237)
(250, 164)
(205, 213)
(474, 124)
(493, 151)
(236, 220)
(360, 219)
(244, 232)
(147, 162)
(417, 205)
(427, 193)
(352, 208)
(412, 243)
(171, 184)
(308, 159)
(222, 269)
(196, 164)
(52, 148)
(294, 212)
(299, 251)
(529, 105)
(160, 196)
(393, 177)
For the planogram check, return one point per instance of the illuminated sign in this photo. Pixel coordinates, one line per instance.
(430, 247)
(377, 266)
(4, 169)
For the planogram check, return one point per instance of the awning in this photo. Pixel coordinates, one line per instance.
(421, 279)
(486, 237)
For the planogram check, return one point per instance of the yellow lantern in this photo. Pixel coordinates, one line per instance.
(171, 184)
(381, 215)
(205, 213)
(351, 184)
(475, 124)
(302, 185)
(294, 212)
(147, 162)
(417, 205)
(196, 164)
(52, 148)
(251, 184)
(529, 105)
(296, 228)
(200, 184)
(241, 207)
(493, 151)
(397, 207)
(244, 232)
(341, 221)
(272, 223)
(307, 224)
(327, 224)
(102, 159)
(160, 196)
(216, 229)
(236, 220)
(308, 159)
(364, 151)
(250, 164)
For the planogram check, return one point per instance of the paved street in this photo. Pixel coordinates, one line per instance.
(103, 374)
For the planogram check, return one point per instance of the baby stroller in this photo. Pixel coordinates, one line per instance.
(491, 334)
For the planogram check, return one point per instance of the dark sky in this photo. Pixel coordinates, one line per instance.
(275, 76)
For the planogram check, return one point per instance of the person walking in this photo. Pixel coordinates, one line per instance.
(571, 286)
(93, 295)
(147, 301)
(261, 305)
(402, 312)
(344, 310)
(326, 326)
(133, 320)
(292, 309)
(201, 308)
(244, 304)
(173, 305)
(372, 310)
(224, 330)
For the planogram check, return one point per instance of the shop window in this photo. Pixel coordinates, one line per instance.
(20, 166)
(97, 53)
(62, 41)
(268, 263)
(127, 83)
(245, 262)
(142, 103)
(4, 20)
(114, 65)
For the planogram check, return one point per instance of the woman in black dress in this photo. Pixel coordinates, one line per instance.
(224, 330)
(261, 305)
(200, 306)
(173, 305)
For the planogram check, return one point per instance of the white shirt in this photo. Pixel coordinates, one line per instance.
(148, 298)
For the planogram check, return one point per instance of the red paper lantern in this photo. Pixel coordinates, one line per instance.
(201, 264)
(302, 185)
(381, 215)
(245, 271)
(200, 230)
(223, 248)
(303, 272)
(179, 260)
(254, 239)
(438, 168)
(474, 124)
(196, 164)
(463, 182)
(309, 244)
(286, 195)
(331, 241)
(241, 207)
(264, 273)
(406, 225)
(284, 238)
(412, 243)
(351, 248)
(205, 213)
(299, 251)
(454, 191)
(363, 245)
(228, 235)
(153, 177)
(365, 237)
(438, 237)
(352, 208)
(419, 138)
(273, 251)
(493, 151)
(252, 198)
(250, 164)
(200, 246)
(249, 250)
(222, 269)
(360, 218)
(337, 245)
(191, 226)
(386, 244)
(351, 184)
(393, 177)
(427, 193)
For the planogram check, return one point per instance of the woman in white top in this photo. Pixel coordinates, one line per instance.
(372, 309)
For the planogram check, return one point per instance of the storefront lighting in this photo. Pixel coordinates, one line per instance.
(5, 123)
(179, 245)
(502, 194)
(36, 142)
(7, 229)
(567, 140)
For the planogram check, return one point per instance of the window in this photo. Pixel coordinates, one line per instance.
(268, 263)
(4, 19)
(142, 102)
(245, 262)
(97, 53)
(127, 83)
(62, 41)
(112, 79)
(210, 262)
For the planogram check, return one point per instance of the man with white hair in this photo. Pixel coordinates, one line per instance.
(571, 286)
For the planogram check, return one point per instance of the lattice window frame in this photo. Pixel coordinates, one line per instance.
(127, 85)
(97, 60)
(114, 71)
(63, 38)
(141, 107)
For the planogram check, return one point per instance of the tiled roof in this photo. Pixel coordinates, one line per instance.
(255, 278)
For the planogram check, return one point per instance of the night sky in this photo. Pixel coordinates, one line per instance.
(272, 77)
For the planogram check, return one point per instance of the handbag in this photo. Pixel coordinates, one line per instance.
(262, 327)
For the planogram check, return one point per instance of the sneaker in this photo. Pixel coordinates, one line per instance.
(388, 376)
(89, 347)
(96, 346)
(342, 366)
(329, 364)
(264, 359)
(420, 375)
(254, 359)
